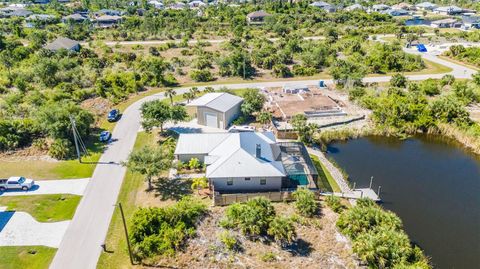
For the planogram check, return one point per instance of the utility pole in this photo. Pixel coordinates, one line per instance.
(126, 233)
(75, 138)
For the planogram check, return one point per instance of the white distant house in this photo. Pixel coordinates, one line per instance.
(397, 12)
(446, 23)
(156, 4)
(403, 5)
(448, 10)
(78, 18)
(380, 7)
(245, 161)
(196, 4)
(471, 22)
(355, 7)
(216, 110)
(427, 6)
(324, 5)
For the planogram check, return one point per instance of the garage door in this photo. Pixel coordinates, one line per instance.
(211, 120)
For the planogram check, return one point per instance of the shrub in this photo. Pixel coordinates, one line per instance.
(228, 240)
(305, 202)
(194, 163)
(201, 75)
(282, 230)
(61, 149)
(334, 203)
(398, 80)
(252, 217)
(268, 257)
(162, 231)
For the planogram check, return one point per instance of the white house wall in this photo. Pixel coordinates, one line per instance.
(240, 184)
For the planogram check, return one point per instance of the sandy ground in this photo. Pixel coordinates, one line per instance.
(318, 245)
(21, 229)
(71, 186)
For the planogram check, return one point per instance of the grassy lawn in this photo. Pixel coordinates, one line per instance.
(128, 196)
(325, 181)
(44, 208)
(26, 257)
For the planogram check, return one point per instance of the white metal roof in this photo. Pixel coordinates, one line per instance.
(234, 154)
(220, 101)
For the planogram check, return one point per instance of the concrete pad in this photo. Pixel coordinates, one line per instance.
(192, 127)
(68, 186)
(21, 229)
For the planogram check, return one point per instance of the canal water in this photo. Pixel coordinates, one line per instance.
(432, 184)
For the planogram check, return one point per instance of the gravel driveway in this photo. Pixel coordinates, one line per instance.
(21, 229)
(70, 186)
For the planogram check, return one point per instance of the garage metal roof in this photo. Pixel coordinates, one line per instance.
(220, 101)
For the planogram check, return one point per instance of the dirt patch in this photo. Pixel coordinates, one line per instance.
(318, 245)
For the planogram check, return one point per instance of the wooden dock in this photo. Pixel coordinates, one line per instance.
(355, 194)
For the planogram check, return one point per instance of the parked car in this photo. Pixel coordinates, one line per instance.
(105, 136)
(113, 115)
(16, 183)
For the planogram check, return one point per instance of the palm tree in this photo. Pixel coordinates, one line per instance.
(194, 91)
(208, 89)
(189, 96)
(170, 93)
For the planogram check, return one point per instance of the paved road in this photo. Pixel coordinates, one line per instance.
(80, 247)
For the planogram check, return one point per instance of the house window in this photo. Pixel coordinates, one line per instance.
(230, 181)
(263, 181)
(247, 178)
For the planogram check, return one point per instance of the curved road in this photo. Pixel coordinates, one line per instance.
(81, 245)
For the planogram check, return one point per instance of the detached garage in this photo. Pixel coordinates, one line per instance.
(216, 110)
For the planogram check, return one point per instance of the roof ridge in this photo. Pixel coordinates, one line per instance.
(218, 96)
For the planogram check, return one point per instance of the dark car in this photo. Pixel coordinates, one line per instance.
(113, 115)
(105, 136)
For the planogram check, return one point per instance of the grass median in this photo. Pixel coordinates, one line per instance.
(44, 208)
(26, 257)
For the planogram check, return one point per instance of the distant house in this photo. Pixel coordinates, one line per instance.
(63, 43)
(78, 18)
(216, 110)
(404, 6)
(14, 11)
(380, 7)
(446, 23)
(355, 7)
(324, 5)
(397, 12)
(177, 6)
(470, 22)
(109, 12)
(39, 19)
(257, 16)
(448, 10)
(107, 21)
(196, 4)
(427, 6)
(156, 4)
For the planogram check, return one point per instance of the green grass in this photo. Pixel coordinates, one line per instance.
(26, 257)
(116, 238)
(38, 169)
(44, 208)
(325, 180)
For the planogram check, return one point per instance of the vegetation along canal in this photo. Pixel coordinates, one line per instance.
(432, 184)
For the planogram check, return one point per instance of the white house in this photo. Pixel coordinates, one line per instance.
(156, 4)
(380, 7)
(445, 23)
(427, 6)
(196, 4)
(245, 161)
(63, 43)
(355, 7)
(216, 110)
(324, 5)
(471, 22)
(448, 10)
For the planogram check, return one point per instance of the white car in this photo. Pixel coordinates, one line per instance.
(16, 183)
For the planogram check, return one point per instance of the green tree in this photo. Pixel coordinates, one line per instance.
(305, 202)
(398, 80)
(282, 230)
(149, 162)
(199, 183)
(156, 113)
(170, 93)
(264, 117)
(253, 102)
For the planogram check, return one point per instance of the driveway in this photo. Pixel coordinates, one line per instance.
(70, 186)
(21, 229)
(192, 127)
